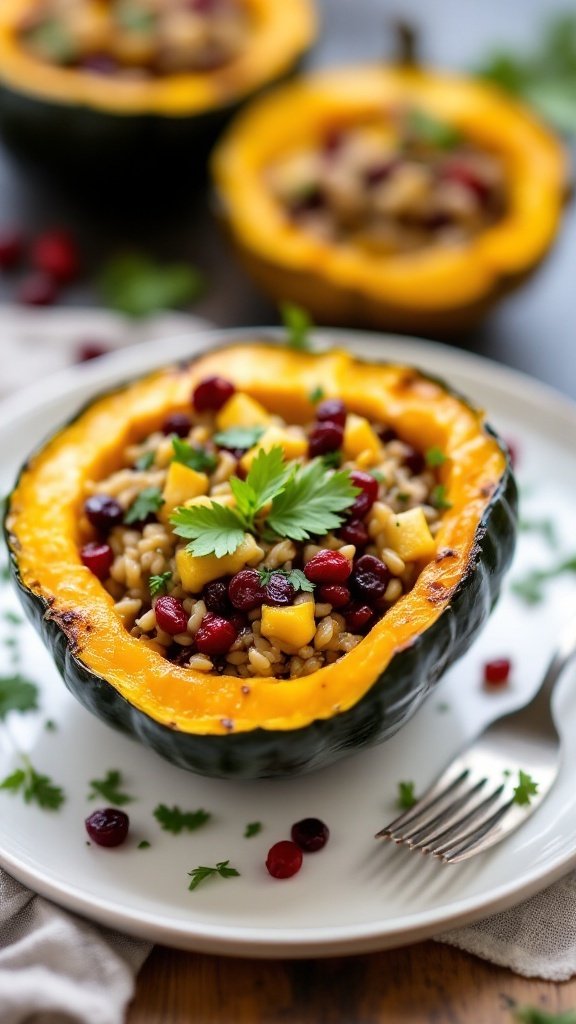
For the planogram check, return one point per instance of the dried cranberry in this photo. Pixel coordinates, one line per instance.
(171, 615)
(327, 567)
(354, 532)
(177, 423)
(310, 834)
(379, 172)
(88, 350)
(37, 289)
(215, 597)
(103, 512)
(284, 859)
(98, 558)
(387, 434)
(497, 672)
(56, 254)
(279, 591)
(414, 460)
(461, 173)
(245, 590)
(216, 635)
(332, 409)
(211, 394)
(108, 826)
(369, 578)
(325, 437)
(358, 616)
(239, 621)
(11, 248)
(368, 493)
(334, 594)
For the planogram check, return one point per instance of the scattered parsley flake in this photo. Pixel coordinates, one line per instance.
(109, 788)
(158, 584)
(317, 394)
(50, 725)
(13, 618)
(239, 437)
(5, 573)
(545, 527)
(438, 497)
(294, 576)
(17, 694)
(200, 874)
(136, 285)
(442, 707)
(530, 588)
(406, 796)
(525, 789)
(435, 457)
(252, 829)
(145, 504)
(402, 497)
(143, 844)
(193, 457)
(34, 787)
(424, 127)
(172, 819)
(534, 1015)
(298, 324)
(507, 773)
(145, 461)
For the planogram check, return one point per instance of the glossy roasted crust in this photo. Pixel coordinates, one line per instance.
(281, 727)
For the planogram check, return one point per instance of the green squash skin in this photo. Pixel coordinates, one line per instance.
(389, 703)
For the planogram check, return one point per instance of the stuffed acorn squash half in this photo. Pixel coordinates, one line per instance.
(94, 82)
(393, 197)
(263, 560)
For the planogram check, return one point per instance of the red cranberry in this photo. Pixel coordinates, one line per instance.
(512, 447)
(37, 289)
(354, 532)
(88, 350)
(497, 672)
(369, 578)
(211, 394)
(332, 409)
(325, 437)
(103, 512)
(245, 590)
(310, 834)
(171, 615)
(387, 434)
(379, 172)
(284, 859)
(363, 502)
(98, 558)
(216, 635)
(215, 597)
(327, 567)
(11, 248)
(107, 827)
(239, 621)
(461, 172)
(177, 423)
(334, 594)
(414, 461)
(358, 617)
(56, 254)
(279, 591)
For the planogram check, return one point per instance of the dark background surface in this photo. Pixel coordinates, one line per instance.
(534, 330)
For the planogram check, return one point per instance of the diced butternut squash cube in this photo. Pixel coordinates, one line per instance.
(207, 499)
(293, 445)
(360, 438)
(182, 483)
(197, 570)
(294, 625)
(242, 411)
(409, 535)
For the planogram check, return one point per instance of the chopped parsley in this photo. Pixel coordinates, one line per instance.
(193, 457)
(332, 460)
(17, 694)
(545, 527)
(317, 394)
(442, 707)
(34, 787)
(138, 286)
(534, 1015)
(406, 796)
(298, 324)
(530, 588)
(158, 584)
(5, 573)
(438, 497)
(172, 819)
(109, 788)
(239, 437)
(435, 457)
(146, 504)
(424, 127)
(13, 618)
(525, 789)
(50, 725)
(252, 829)
(294, 576)
(200, 874)
(145, 461)
(143, 844)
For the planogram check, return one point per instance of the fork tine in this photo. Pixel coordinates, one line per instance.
(470, 843)
(453, 778)
(460, 824)
(435, 826)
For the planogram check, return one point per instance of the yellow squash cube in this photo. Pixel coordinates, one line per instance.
(197, 570)
(294, 625)
(207, 499)
(182, 483)
(292, 445)
(242, 411)
(360, 438)
(409, 535)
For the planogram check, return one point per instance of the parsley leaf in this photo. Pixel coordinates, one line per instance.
(145, 461)
(332, 460)
(310, 502)
(5, 573)
(200, 874)
(194, 458)
(406, 796)
(294, 576)
(530, 587)
(438, 497)
(143, 844)
(252, 829)
(545, 527)
(525, 789)
(172, 819)
(239, 437)
(34, 787)
(13, 618)
(534, 1015)
(17, 694)
(147, 503)
(435, 457)
(138, 286)
(317, 394)
(423, 127)
(158, 584)
(109, 788)
(213, 529)
(298, 324)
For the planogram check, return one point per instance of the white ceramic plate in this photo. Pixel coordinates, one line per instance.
(356, 895)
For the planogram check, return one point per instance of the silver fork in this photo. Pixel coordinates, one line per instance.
(472, 805)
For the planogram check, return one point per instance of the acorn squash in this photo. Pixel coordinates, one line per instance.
(68, 117)
(215, 724)
(432, 289)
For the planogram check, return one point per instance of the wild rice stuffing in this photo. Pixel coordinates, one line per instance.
(233, 542)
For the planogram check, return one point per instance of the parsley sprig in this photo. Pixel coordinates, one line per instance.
(200, 874)
(17, 694)
(525, 790)
(192, 456)
(109, 788)
(34, 787)
(148, 502)
(406, 796)
(298, 324)
(294, 576)
(159, 584)
(172, 819)
(534, 1015)
(530, 588)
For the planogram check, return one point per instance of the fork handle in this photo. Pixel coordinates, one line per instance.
(564, 653)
